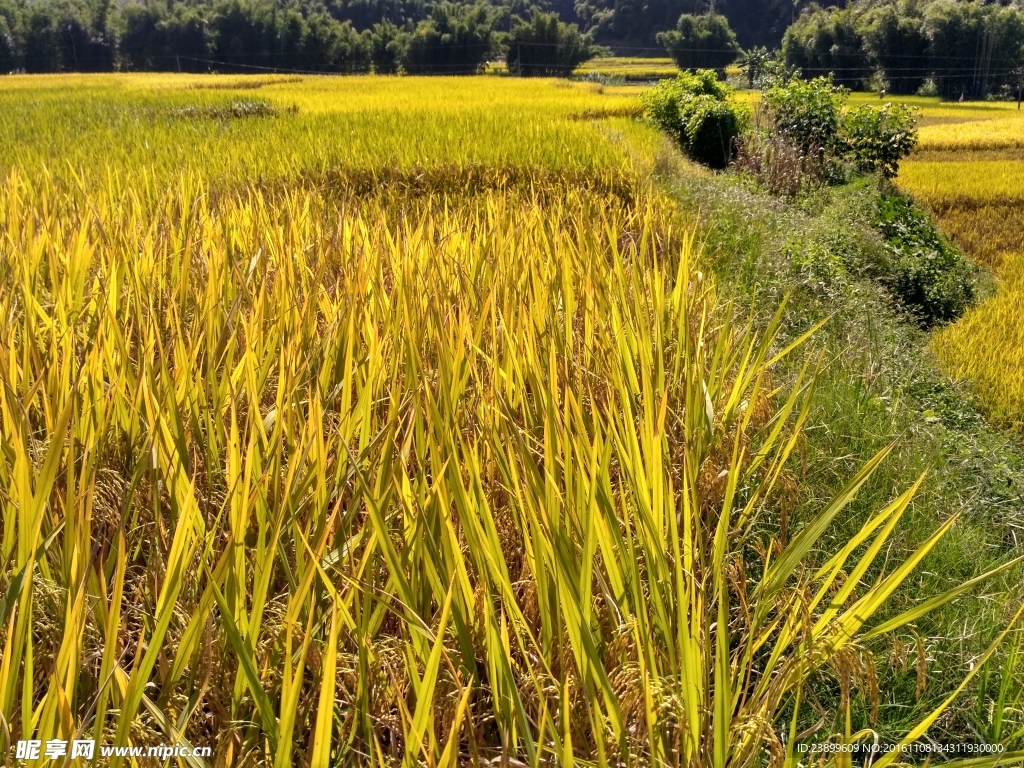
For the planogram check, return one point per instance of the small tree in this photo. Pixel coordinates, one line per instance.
(547, 47)
(755, 65)
(807, 113)
(877, 139)
(701, 42)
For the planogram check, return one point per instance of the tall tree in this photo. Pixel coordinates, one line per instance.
(895, 41)
(701, 42)
(546, 47)
(828, 41)
(455, 40)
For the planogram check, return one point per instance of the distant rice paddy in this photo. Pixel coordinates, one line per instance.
(969, 171)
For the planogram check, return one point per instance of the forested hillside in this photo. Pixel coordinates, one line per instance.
(953, 48)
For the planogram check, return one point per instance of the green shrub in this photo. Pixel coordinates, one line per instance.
(711, 127)
(695, 110)
(877, 139)
(927, 274)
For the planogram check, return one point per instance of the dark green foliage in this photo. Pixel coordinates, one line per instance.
(637, 22)
(969, 49)
(927, 274)
(333, 46)
(897, 45)
(695, 110)
(547, 47)
(386, 46)
(701, 42)
(823, 42)
(365, 14)
(455, 40)
(974, 48)
(712, 126)
(257, 33)
(58, 36)
(153, 39)
(8, 55)
(877, 139)
(763, 22)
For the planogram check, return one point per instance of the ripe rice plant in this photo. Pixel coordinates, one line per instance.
(335, 469)
(1006, 133)
(985, 348)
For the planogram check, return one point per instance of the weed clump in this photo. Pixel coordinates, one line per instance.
(236, 110)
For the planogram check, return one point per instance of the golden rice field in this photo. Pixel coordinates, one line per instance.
(376, 421)
(969, 171)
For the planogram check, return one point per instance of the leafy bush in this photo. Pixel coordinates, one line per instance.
(695, 110)
(701, 42)
(711, 127)
(877, 139)
(811, 115)
(927, 274)
(547, 47)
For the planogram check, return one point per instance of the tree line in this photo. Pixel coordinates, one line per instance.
(251, 35)
(535, 36)
(954, 48)
(965, 49)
